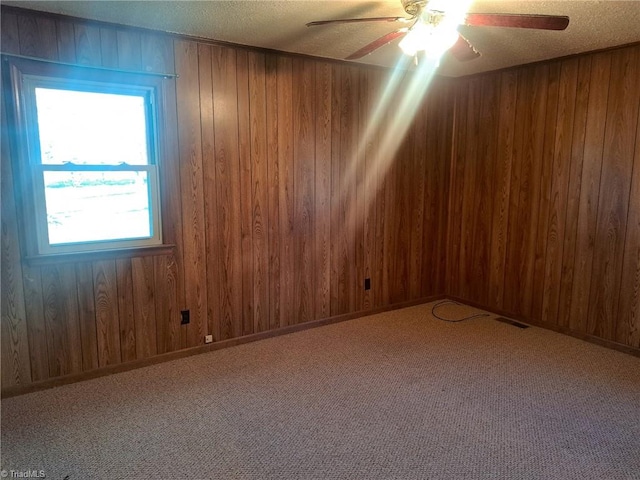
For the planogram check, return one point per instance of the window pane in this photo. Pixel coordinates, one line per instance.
(91, 128)
(94, 206)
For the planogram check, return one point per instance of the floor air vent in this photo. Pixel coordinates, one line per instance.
(512, 322)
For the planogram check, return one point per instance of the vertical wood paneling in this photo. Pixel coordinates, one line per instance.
(559, 190)
(627, 328)
(16, 365)
(88, 44)
(144, 314)
(615, 184)
(571, 255)
(322, 190)
(191, 189)
(126, 310)
(259, 190)
(303, 198)
(545, 190)
(273, 191)
(157, 54)
(167, 293)
(246, 204)
(285, 191)
(87, 316)
(9, 33)
(212, 237)
(129, 50)
(109, 47)
(66, 41)
(502, 197)
(107, 320)
(279, 206)
(590, 190)
(61, 320)
(573, 195)
(225, 100)
(37, 36)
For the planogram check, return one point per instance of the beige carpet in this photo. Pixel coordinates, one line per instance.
(398, 395)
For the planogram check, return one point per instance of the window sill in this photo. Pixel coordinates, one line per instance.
(96, 255)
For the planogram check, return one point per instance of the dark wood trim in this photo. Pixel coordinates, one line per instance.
(188, 352)
(555, 328)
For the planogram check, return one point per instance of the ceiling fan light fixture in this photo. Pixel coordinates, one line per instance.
(434, 40)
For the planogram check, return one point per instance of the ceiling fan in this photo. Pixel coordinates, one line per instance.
(433, 28)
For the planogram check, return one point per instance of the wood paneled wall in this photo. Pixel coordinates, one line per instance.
(545, 194)
(278, 194)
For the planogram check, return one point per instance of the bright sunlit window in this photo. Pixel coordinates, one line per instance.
(91, 158)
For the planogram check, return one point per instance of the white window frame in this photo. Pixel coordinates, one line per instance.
(31, 170)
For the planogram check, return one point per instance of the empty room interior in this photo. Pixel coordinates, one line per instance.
(320, 239)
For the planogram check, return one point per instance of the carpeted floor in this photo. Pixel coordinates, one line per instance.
(399, 395)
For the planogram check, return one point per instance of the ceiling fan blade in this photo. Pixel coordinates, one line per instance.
(463, 50)
(359, 20)
(514, 20)
(380, 42)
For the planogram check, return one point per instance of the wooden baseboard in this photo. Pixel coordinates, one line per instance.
(166, 357)
(556, 328)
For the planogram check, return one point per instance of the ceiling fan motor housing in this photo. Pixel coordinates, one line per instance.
(413, 7)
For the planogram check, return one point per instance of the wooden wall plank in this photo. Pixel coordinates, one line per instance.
(157, 54)
(129, 50)
(286, 188)
(109, 48)
(15, 361)
(9, 34)
(501, 206)
(107, 320)
(191, 188)
(545, 190)
(338, 262)
(37, 37)
(303, 195)
(573, 194)
(559, 190)
(419, 217)
(61, 320)
(167, 293)
(144, 314)
(87, 316)
(273, 190)
(88, 44)
(322, 188)
(66, 41)
(259, 190)
(627, 326)
(457, 187)
(126, 309)
(212, 237)
(225, 98)
(615, 186)
(245, 186)
(590, 190)
(483, 202)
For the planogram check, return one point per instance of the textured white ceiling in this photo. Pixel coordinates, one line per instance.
(280, 25)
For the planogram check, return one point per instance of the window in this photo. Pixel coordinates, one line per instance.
(88, 157)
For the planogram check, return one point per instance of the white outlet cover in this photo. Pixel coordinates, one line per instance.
(208, 338)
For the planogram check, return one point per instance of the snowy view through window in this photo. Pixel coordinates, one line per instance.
(97, 129)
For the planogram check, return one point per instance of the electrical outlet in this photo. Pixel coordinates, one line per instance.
(367, 284)
(208, 338)
(184, 314)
